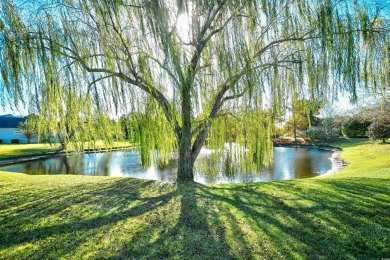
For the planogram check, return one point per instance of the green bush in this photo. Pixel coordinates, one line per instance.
(380, 127)
(355, 127)
(15, 141)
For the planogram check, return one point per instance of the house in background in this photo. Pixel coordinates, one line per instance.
(9, 131)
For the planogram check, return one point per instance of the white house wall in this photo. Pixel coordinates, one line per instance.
(7, 134)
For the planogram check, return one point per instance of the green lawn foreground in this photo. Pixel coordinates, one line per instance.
(343, 216)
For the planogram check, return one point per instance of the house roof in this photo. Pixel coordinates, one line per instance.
(11, 121)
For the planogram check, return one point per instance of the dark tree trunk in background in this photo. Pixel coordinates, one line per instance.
(295, 131)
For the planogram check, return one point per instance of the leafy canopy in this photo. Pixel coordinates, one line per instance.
(134, 56)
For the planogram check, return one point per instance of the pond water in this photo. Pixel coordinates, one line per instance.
(289, 164)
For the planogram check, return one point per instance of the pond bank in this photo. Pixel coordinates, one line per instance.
(316, 146)
(338, 163)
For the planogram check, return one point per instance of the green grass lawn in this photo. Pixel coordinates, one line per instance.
(365, 158)
(8, 151)
(343, 216)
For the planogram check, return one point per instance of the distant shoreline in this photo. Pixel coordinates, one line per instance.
(317, 146)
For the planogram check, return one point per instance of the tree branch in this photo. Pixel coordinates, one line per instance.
(138, 81)
(201, 42)
(95, 81)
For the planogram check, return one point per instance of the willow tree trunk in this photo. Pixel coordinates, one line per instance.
(185, 171)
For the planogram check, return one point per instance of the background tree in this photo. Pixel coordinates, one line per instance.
(380, 126)
(296, 124)
(29, 127)
(193, 58)
(356, 126)
(302, 117)
(331, 118)
(369, 121)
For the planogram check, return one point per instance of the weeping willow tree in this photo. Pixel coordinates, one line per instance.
(195, 59)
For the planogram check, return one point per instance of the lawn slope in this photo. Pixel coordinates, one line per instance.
(12, 151)
(8, 151)
(343, 216)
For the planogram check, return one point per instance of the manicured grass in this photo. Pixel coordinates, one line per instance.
(101, 145)
(8, 151)
(365, 159)
(15, 150)
(343, 216)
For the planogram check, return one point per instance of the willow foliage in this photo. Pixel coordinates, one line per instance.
(196, 59)
(152, 134)
(245, 139)
(68, 118)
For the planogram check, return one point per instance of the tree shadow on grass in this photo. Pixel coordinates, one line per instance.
(188, 237)
(128, 218)
(120, 220)
(328, 222)
(58, 221)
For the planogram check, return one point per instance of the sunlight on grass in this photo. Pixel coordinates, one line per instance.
(365, 159)
(14, 150)
(8, 151)
(342, 216)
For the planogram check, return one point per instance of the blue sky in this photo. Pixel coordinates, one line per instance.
(8, 110)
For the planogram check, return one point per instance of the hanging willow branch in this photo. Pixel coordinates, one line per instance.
(226, 55)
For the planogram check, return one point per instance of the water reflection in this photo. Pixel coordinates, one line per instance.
(289, 163)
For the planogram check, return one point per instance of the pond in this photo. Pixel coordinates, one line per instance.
(289, 164)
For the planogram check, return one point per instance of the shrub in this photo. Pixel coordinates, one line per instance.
(380, 127)
(14, 141)
(355, 127)
(1, 141)
(319, 135)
